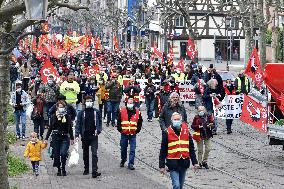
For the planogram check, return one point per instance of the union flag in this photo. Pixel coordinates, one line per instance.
(48, 69)
(191, 50)
(253, 69)
(254, 114)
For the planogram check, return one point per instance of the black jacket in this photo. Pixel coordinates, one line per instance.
(149, 91)
(70, 111)
(167, 112)
(80, 125)
(175, 164)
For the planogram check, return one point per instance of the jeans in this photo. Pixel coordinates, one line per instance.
(124, 144)
(12, 85)
(112, 111)
(35, 166)
(102, 106)
(198, 100)
(203, 154)
(20, 114)
(46, 109)
(178, 178)
(39, 127)
(26, 84)
(150, 107)
(229, 123)
(86, 143)
(61, 145)
(215, 120)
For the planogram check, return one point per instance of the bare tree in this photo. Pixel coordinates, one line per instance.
(10, 34)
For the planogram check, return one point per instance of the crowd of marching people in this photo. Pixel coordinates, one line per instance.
(64, 105)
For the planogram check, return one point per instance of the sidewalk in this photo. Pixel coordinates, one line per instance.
(112, 175)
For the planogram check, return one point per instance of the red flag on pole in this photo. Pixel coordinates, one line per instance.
(254, 114)
(48, 69)
(115, 43)
(191, 51)
(157, 52)
(180, 65)
(171, 54)
(253, 69)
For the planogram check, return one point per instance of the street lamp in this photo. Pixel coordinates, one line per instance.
(228, 26)
(36, 9)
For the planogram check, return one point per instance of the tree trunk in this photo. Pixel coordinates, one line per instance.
(274, 44)
(4, 100)
(248, 45)
(262, 33)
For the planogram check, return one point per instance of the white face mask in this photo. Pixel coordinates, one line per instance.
(89, 104)
(61, 110)
(130, 106)
(19, 89)
(49, 81)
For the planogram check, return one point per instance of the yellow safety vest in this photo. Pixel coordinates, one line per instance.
(239, 87)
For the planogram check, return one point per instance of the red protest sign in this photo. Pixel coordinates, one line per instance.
(254, 114)
(92, 71)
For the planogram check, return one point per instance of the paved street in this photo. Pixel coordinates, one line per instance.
(241, 160)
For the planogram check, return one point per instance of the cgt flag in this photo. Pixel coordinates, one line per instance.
(191, 51)
(254, 114)
(48, 69)
(92, 71)
(254, 70)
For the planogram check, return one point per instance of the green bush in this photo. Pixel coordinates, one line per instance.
(11, 117)
(16, 165)
(11, 137)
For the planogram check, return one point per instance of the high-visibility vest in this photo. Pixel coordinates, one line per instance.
(239, 87)
(129, 127)
(178, 146)
(120, 79)
(135, 96)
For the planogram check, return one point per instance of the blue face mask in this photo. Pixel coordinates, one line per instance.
(177, 124)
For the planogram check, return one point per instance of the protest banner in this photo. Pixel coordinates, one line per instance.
(230, 107)
(186, 90)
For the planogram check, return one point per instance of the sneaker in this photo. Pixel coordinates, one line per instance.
(229, 132)
(205, 165)
(200, 165)
(131, 167)
(59, 172)
(36, 173)
(105, 120)
(96, 174)
(23, 137)
(86, 172)
(113, 124)
(64, 173)
(150, 120)
(18, 137)
(107, 124)
(122, 164)
(214, 133)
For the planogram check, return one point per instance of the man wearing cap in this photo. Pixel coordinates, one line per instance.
(114, 98)
(20, 102)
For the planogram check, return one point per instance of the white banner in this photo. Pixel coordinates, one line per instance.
(230, 107)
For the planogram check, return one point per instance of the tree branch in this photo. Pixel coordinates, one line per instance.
(9, 50)
(11, 10)
(69, 6)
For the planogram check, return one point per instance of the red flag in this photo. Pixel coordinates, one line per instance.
(180, 65)
(92, 71)
(115, 43)
(191, 51)
(171, 54)
(98, 44)
(253, 69)
(34, 44)
(254, 114)
(48, 69)
(157, 52)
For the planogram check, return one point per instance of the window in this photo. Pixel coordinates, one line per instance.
(180, 21)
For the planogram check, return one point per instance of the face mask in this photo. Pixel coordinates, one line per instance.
(49, 81)
(201, 113)
(130, 106)
(19, 89)
(37, 79)
(100, 82)
(89, 104)
(61, 110)
(177, 124)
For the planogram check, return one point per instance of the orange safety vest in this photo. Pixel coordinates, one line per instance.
(178, 146)
(129, 127)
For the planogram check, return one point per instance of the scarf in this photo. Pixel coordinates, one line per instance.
(60, 117)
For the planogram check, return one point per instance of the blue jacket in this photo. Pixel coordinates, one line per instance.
(80, 124)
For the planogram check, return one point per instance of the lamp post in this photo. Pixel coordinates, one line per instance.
(228, 25)
(36, 9)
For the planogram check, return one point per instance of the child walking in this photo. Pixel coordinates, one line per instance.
(33, 151)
